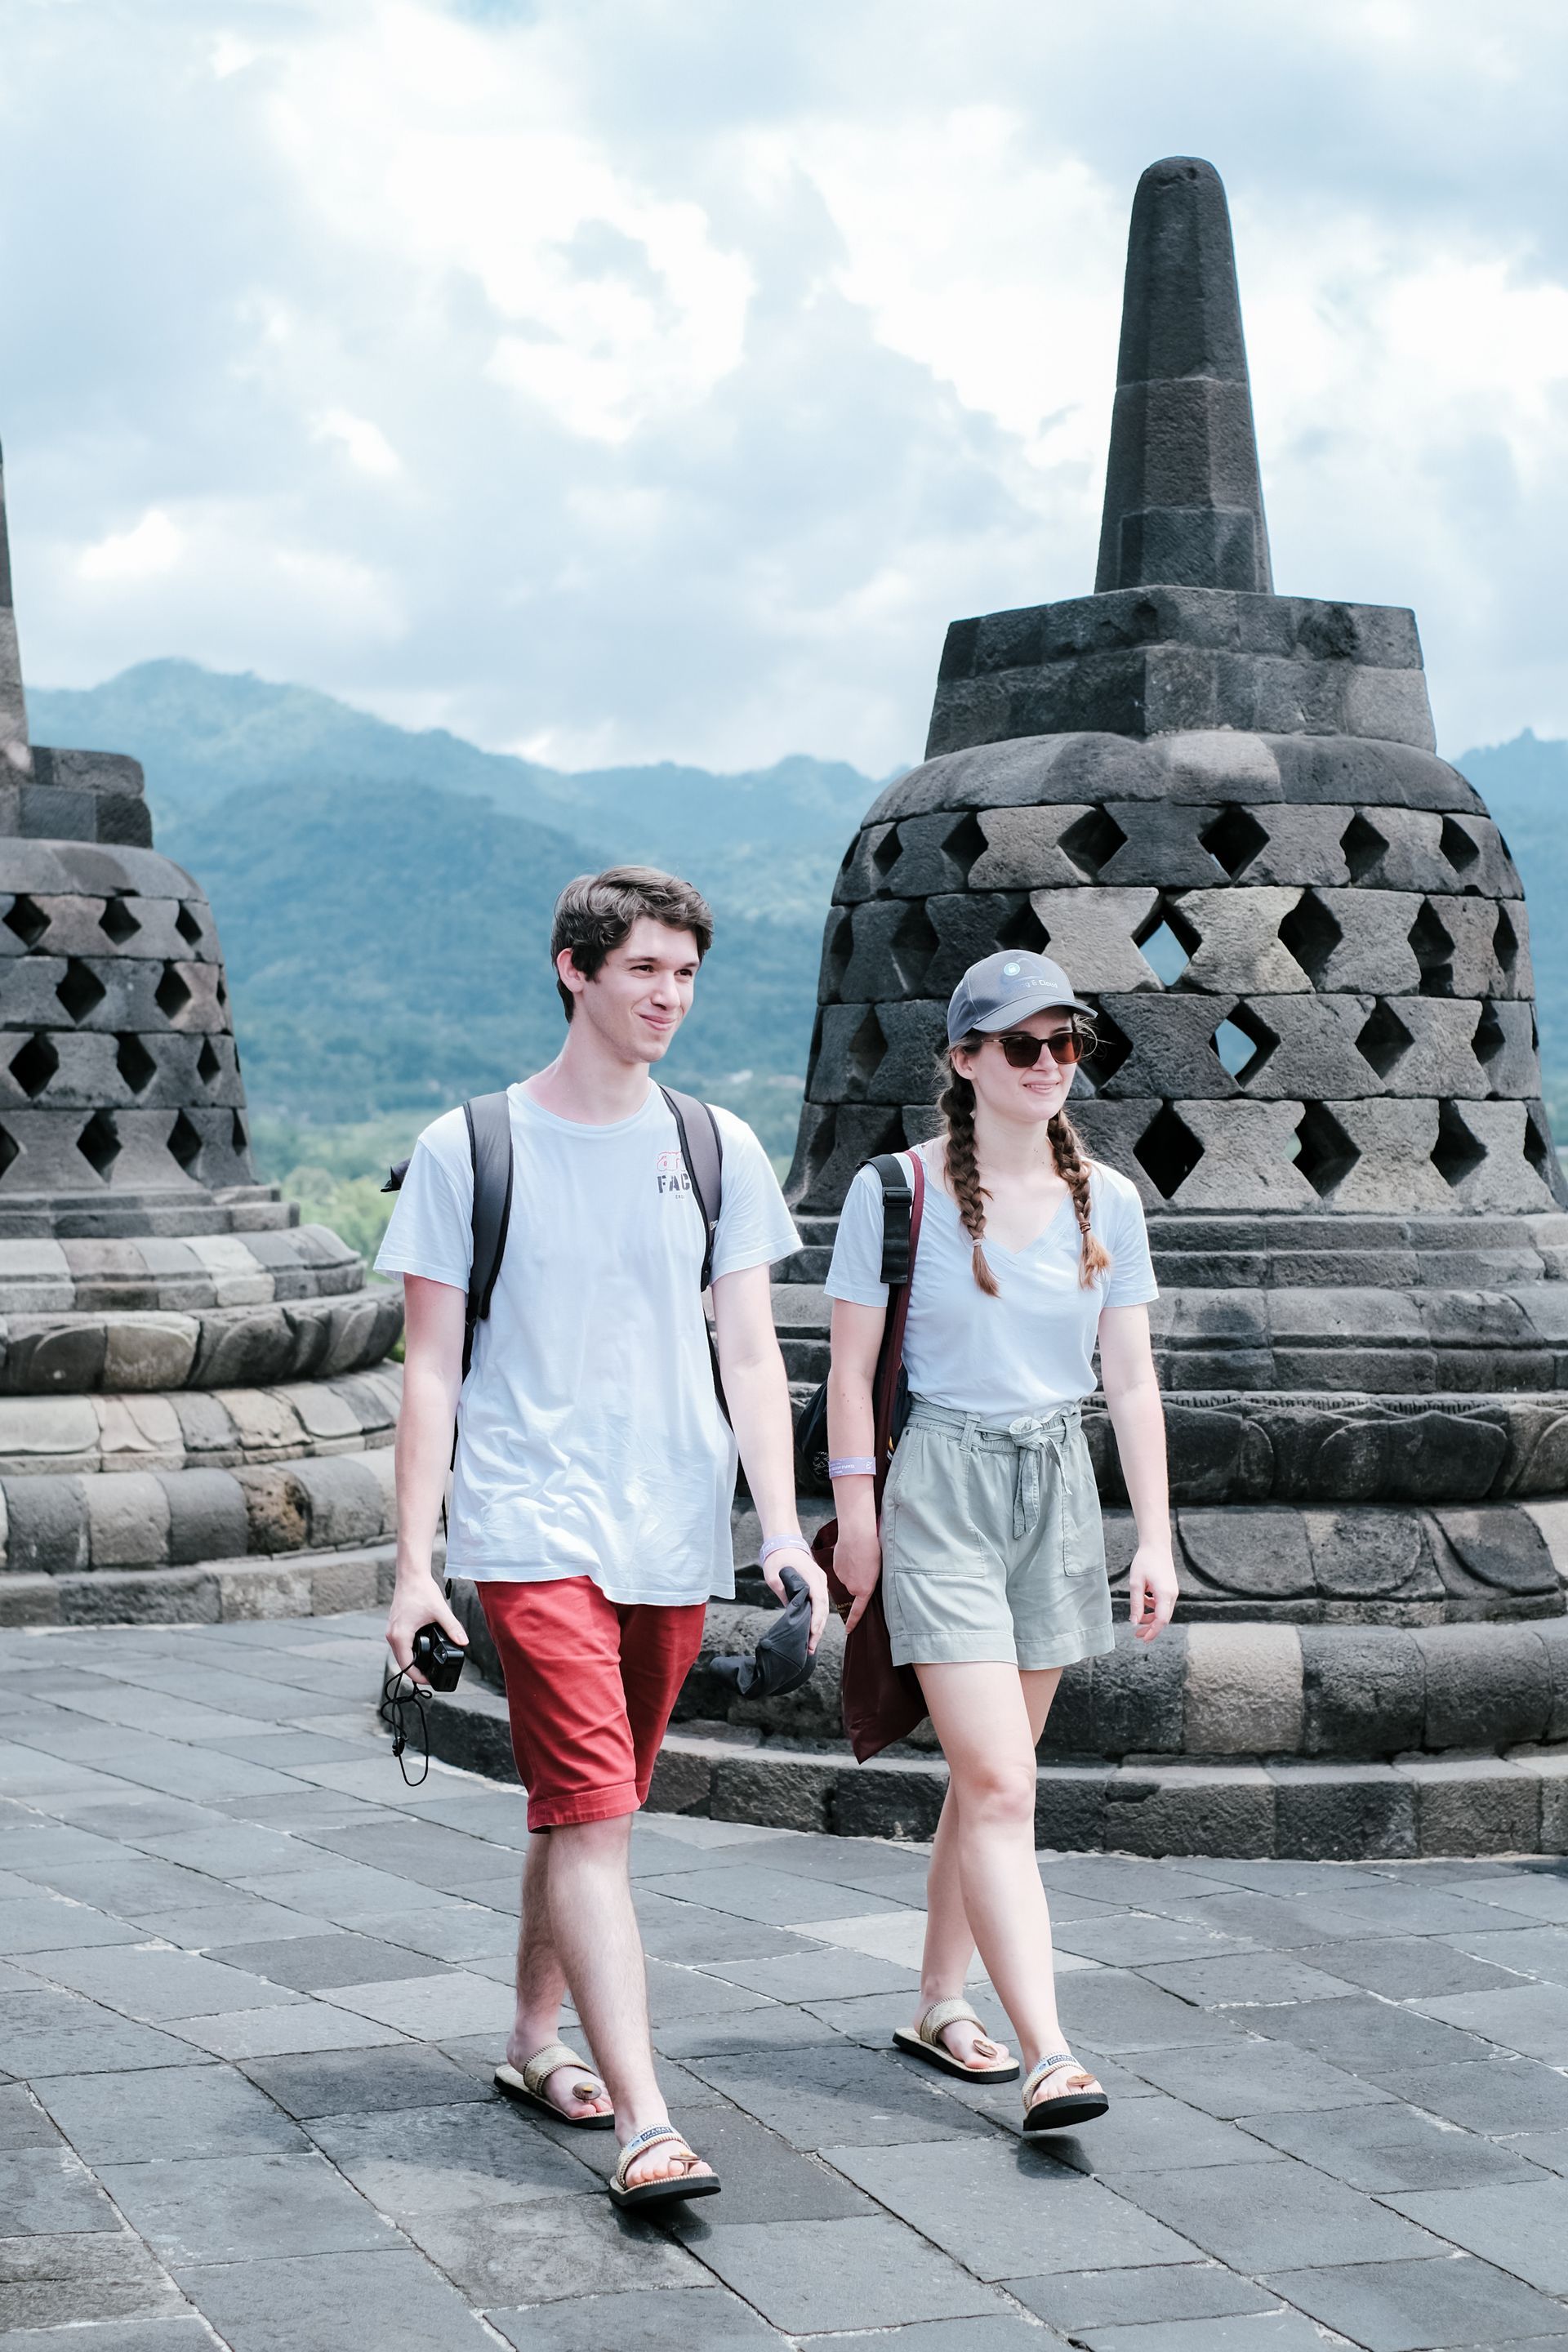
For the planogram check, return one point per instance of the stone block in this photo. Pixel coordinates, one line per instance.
(1372, 955)
(1488, 1164)
(141, 1597)
(30, 1601)
(1486, 1685)
(1243, 1694)
(53, 1432)
(344, 1501)
(1363, 1690)
(1239, 951)
(1090, 934)
(207, 1517)
(269, 1593)
(1341, 1813)
(149, 1352)
(1181, 1809)
(52, 1357)
(1217, 1456)
(1138, 1695)
(139, 1433)
(47, 1526)
(1259, 1555)
(1220, 764)
(1023, 847)
(1391, 1170)
(1314, 1051)
(276, 1507)
(1162, 843)
(889, 1800)
(1473, 1805)
(1069, 1807)
(206, 1427)
(1497, 1547)
(343, 1583)
(1171, 1047)
(1370, 1555)
(127, 1520)
(869, 856)
(775, 1789)
(244, 1346)
(1249, 1158)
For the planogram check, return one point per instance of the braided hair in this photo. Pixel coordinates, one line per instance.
(955, 1108)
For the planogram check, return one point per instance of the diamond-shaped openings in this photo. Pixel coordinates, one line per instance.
(1384, 1040)
(1168, 941)
(913, 944)
(1488, 1040)
(172, 992)
(9, 1147)
(1433, 951)
(98, 1143)
(1233, 839)
(185, 1143)
(1244, 1042)
(35, 1066)
(1024, 928)
(1456, 1154)
(886, 854)
(117, 922)
(27, 918)
(208, 1065)
(1312, 934)
(1111, 1049)
(1092, 840)
(1538, 1149)
(1505, 942)
(1458, 847)
(1167, 1150)
(188, 925)
(134, 1063)
(1361, 846)
(1324, 1153)
(80, 989)
(238, 1140)
(838, 950)
(222, 994)
(965, 844)
(866, 1048)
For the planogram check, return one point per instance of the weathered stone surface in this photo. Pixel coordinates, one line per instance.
(1363, 1691)
(1243, 1694)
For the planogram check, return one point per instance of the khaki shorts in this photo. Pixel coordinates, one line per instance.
(993, 1549)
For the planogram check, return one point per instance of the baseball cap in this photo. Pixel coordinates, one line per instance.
(781, 1661)
(1005, 988)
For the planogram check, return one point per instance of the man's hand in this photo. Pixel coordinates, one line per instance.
(1151, 1592)
(419, 1601)
(797, 1557)
(857, 1563)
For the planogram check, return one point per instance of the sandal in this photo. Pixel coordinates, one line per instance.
(527, 2087)
(657, 2192)
(924, 2043)
(1078, 2102)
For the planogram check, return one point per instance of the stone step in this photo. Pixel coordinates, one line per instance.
(209, 1592)
(192, 1428)
(121, 1352)
(184, 1269)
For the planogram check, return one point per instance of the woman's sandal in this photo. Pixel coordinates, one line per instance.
(924, 2043)
(527, 2086)
(1079, 2101)
(657, 2192)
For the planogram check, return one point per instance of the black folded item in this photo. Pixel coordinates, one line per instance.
(781, 1662)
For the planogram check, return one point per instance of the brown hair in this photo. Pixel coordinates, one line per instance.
(596, 912)
(955, 1107)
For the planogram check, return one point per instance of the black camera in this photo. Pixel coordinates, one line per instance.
(438, 1658)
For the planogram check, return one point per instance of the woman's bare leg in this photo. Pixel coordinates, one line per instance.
(985, 1887)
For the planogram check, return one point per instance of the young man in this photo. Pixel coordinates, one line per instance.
(595, 1471)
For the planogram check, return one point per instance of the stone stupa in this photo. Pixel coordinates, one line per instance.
(195, 1410)
(1222, 810)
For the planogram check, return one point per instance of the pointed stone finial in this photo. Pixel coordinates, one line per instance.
(1184, 506)
(14, 756)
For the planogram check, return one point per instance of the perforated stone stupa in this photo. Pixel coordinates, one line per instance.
(193, 1406)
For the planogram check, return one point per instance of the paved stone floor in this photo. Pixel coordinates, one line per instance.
(252, 1988)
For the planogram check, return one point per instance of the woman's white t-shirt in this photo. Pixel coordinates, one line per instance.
(590, 1442)
(1029, 1350)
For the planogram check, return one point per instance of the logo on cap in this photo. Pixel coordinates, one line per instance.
(1011, 971)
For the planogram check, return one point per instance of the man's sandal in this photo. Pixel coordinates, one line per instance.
(1080, 2100)
(925, 2043)
(526, 2087)
(657, 2192)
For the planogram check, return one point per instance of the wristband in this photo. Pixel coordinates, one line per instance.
(796, 1542)
(852, 1465)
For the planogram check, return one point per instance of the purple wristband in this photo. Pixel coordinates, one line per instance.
(852, 1465)
(782, 1543)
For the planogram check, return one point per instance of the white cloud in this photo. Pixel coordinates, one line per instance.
(363, 444)
(150, 547)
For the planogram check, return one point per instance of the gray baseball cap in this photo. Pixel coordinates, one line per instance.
(1005, 988)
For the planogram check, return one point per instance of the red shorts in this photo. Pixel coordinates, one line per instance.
(590, 1687)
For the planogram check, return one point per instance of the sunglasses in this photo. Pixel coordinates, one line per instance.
(1023, 1051)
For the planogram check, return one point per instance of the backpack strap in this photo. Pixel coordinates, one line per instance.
(488, 1121)
(897, 1213)
(702, 1153)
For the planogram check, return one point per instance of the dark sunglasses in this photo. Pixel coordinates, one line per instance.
(1023, 1051)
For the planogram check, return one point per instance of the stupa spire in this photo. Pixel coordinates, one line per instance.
(14, 753)
(1184, 505)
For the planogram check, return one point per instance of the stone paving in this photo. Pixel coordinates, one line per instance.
(252, 1988)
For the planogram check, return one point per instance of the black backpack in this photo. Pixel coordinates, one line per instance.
(489, 1119)
(898, 1215)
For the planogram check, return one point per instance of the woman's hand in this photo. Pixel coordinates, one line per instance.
(1151, 1590)
(857, 1563)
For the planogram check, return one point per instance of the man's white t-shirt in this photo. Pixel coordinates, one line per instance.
(590, 1442)
(1029, 1350)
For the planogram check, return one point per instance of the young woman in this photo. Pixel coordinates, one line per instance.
(991, 1550)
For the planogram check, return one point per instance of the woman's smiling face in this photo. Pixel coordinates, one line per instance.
(1026, 1097)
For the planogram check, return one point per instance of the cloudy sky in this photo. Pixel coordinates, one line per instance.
(640, 379)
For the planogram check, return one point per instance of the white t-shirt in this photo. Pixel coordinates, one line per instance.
(1031, 1348)
(590, 1442)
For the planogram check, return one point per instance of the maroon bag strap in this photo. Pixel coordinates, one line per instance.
(891, 1362)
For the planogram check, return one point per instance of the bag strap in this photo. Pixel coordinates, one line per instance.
(702, 1155)
(489, 1122)
(891, 1361)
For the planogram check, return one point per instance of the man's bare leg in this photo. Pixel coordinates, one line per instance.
(542, 1989)
(594, 1929)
